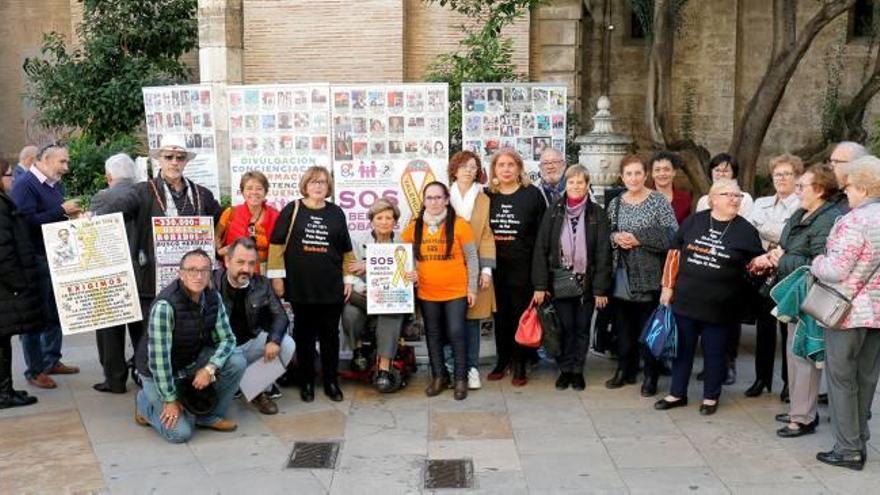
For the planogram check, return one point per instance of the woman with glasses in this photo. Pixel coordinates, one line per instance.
(769, 215)
(309, 253)
(802, 239)
(723, 166)
(704, 281)
(254, 218)
(447, 267)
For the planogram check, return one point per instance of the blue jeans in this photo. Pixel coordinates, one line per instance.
(472, 329)
(444, 321)
(714, 339)
(42, 350)
(150, 404)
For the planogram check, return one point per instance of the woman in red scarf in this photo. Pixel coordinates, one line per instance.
(253, 218)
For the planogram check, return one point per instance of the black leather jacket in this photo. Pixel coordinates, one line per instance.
(264, 310)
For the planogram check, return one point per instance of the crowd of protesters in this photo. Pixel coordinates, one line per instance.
(488, 246)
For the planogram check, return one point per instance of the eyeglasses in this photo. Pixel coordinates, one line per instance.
(174, 157)
(196, 272)
(783, 175)
(46, 147)
(801, 187)
(834, 161)
(552, 162)
(435, 198)
(469, 168)
(732, 195)
(319, 182)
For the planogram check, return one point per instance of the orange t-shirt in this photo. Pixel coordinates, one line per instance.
(441, 279)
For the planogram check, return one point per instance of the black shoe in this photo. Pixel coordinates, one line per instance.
(708, 409)
(730, 379)
(307, 392)
(577, 381)
(274, 392)
(801, 430)
(461, 390)
(384, 383)
(663, 404)
(701, 375)
(332, 391)
(757, 388)
(823, 399)
(563, 381)
(631, 380)
(852, 461)
(615, 381)
(107, 388)
(783, 418)
(783, 396)
(18, 398)
(649, 387)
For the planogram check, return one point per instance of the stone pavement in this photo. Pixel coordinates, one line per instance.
(527, 440)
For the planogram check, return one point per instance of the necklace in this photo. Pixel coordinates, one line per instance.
(712, 228)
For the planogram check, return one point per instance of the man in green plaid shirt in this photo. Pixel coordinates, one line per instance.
(189, 340)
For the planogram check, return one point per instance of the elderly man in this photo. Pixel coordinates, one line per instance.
(40, 199)
(26, 159)
(552, 168)
(844, 153)
(120, 197)
(258, 320)
(170, 194)
(189, 349)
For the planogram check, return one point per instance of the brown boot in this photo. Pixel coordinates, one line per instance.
(42, 381)
(461, 389)
(264, 404)
(438, 384)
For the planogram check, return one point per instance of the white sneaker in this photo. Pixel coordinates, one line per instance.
(474, 379)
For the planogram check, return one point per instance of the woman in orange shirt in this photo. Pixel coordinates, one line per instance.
(447, 266)
(254, 218)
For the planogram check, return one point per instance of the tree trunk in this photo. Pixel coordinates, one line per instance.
(752, 127)
(659, 93)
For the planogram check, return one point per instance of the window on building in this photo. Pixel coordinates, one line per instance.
(862, 19)
(636, 31)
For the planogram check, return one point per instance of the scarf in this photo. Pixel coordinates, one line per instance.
(170, 205)
(573, 241)
(553, 193)
(464, 205)
(434, 222)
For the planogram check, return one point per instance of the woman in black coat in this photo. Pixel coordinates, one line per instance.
(19, 302)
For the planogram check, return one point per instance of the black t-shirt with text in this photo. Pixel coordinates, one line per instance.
(515, 219)
(236, 303)
(712, 277)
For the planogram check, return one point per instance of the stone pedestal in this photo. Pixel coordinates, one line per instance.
(602, 149)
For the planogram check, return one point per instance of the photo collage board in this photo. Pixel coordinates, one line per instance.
(280, 130)
(388, 141)
(527, 117)
(185, 111)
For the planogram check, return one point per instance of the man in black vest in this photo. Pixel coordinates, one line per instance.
(188, 341)
(258, 320)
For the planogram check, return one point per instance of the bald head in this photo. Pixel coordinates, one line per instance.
(27, 156)
(552, 166)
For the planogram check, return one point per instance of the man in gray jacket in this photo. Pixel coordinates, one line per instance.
(118, 198)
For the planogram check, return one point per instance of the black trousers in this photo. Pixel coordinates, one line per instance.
(444, 322)
(111, 352)
(604, 330)
(575, 314)
(512, 300)
(631, 320)
(311, 323)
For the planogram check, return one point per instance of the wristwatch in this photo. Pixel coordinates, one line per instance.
(212, 370)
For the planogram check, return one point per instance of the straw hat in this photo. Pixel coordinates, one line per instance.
(172, 142)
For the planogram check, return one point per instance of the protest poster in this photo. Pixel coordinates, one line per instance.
(280, 130)
(388, 290)
(185, 111)
(388, 142)
(92, 275)
(175, 236)
(527, 117)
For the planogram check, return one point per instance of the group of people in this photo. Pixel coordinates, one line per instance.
(490, 244)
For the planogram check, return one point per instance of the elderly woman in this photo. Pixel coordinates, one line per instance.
(447, 266)
(769, 215)
(516, 208)
(470, 203)
(723, 166)
(254, 218)
(704, 280)
(664, 168)
(853, 351)
(642, 224)
(572, 263)
(383, 217)
(802, 239)
(308, 249)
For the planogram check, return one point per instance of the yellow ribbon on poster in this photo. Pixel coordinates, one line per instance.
(412, 192)
(400, 264)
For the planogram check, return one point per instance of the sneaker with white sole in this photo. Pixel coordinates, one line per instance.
(474, 379)
(274, 392)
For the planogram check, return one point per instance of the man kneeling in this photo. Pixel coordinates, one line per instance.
(188, 341)
(258, 320)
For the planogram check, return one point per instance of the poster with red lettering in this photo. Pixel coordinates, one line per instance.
(92, 275)
(175, 236)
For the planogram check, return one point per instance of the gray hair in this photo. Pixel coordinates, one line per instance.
(29, 151)
(551, 152)
(856, 150)
(864, 173)
(120, 166)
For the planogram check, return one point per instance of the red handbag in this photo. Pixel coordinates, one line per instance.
(528, 333)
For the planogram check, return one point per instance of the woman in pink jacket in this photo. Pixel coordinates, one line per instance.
(853, 351)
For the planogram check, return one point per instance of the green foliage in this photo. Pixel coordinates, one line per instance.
(483, 55)
(832, 112)
(573, 129)
(87, 158)
(687, 117)
(125, 45)
(874, 140)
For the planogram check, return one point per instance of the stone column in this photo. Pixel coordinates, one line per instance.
(221, 25)
(557, 47)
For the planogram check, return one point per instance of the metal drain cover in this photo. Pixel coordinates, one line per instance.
(313, 455)
(449, 473)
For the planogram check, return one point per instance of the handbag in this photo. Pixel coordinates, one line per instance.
(660, 335)
(621, 284)
(566, 284)
(827, 305)
(275, 260)
(528, 333)
(551, 329)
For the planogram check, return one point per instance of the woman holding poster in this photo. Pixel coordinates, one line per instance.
(311, 244)
(516, 209)
(447, 266)
(254, 218)
(471, 203)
